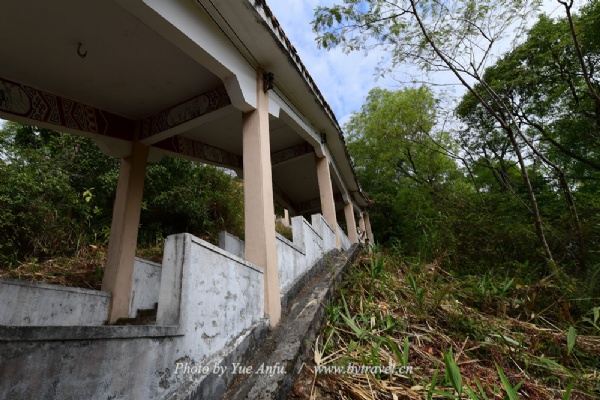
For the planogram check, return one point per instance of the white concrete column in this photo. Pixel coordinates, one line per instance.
(286, 217)
(118, 273)
(361, 223)
(326, 195)
(350, 222)
(368, 227)
(258, 200)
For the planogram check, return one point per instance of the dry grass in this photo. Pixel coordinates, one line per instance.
(380, 308)
(84, 270)
(285, 231)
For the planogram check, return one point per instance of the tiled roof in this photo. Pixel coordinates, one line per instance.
(295, 57)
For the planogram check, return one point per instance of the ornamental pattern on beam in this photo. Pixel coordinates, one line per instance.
(315, 204)
(200, 151)
(184, 112)
(279, 194)
(24, 101)
(290, 153)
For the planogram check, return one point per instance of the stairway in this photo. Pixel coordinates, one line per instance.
(288, 346)
(142, 317)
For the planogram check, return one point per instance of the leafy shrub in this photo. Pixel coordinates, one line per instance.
(57, 193)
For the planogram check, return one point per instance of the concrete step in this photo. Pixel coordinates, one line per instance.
(282, 355)
(142, 317)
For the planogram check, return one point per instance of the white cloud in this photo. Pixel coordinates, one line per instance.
(345, 79)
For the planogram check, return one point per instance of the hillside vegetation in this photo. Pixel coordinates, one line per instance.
(56, 201)
(465, 335)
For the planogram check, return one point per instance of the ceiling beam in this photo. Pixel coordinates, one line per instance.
(315, 204)
(184, 116)
(193, 149)
(28, 105)
(284, 156)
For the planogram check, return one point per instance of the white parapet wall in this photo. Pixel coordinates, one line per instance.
(291, 262)
(210, 314)
(146, 286)
(325, 230)
(211, 294)
(294, 258)
(39, 304)
(344, 239)
(297, 258)
(231, 244)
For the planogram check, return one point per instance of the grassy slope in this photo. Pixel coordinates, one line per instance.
(84, 270)
(390, 312)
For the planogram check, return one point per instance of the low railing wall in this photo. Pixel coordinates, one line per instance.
(221, 292)
(210, 315)
(146, 286)
(38, 304)
(344, 239)
(325, 230)
(231, 244)
(294, 258)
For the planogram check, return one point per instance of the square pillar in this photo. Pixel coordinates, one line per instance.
(368, 228)
(350, 222)
(122, 243)
(361, 225)
(326, 196)
(286, 217)
(258, 200)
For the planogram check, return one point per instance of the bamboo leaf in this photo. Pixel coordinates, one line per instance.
(481, 391)
(432, 386)
(571, 339)
(568, 392)
(453, 373)
(472, 395)
(405, 353)
(510, 391)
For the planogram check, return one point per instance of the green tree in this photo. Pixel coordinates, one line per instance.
(183, 196)
(456, 36)
(44, 176)
(57, 193)
(393, 144)
(542, 84)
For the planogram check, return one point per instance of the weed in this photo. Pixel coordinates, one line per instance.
(394, 312)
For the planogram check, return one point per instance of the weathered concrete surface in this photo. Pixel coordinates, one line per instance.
(289, 345)
(344, 239)
(232, 244)
(303, 280)
(210, 314)
(213, 298)
(146, 285)
(212, 294)
(39, 304)
(324, 229)
(294, 258)
(291, 260)
(213, 385)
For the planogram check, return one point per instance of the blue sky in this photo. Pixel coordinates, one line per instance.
(345, 79)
